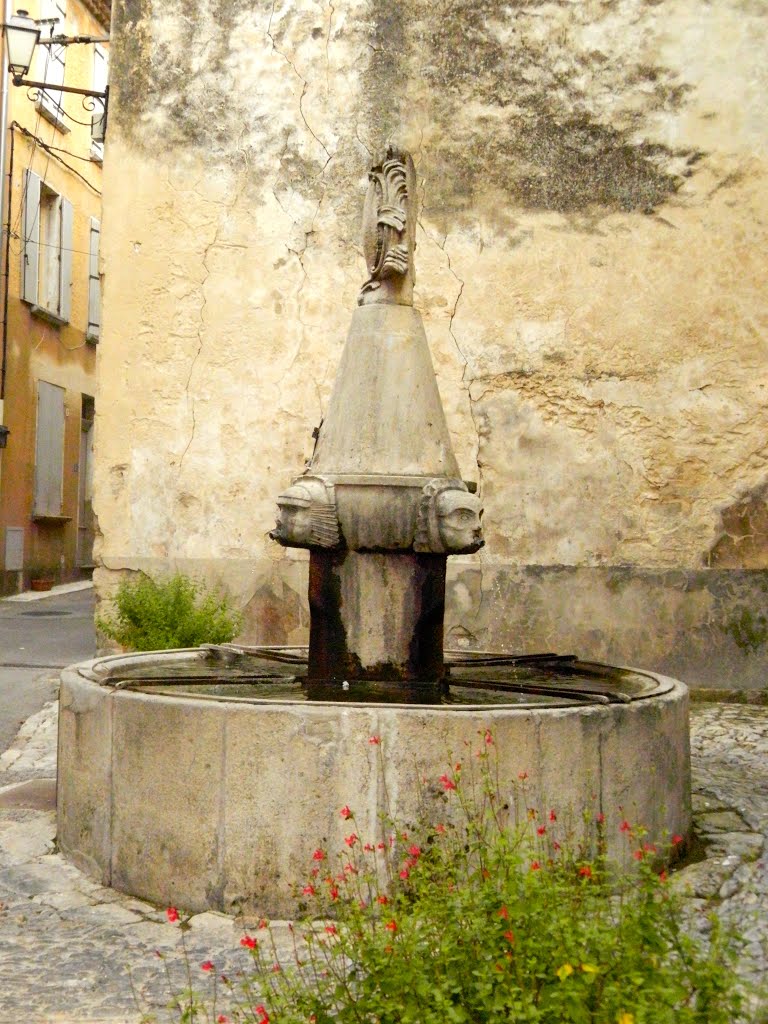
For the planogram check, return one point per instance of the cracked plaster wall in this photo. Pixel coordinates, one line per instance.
(590, 269)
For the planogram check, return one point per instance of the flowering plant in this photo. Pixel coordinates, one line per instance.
(473, 919)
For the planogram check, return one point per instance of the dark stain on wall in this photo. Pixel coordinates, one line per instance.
(519, 116)
(386, 76)
(743, 538)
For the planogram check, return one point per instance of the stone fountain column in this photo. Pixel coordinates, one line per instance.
(381, 504)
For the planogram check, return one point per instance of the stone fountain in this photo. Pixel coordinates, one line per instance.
(206, 778)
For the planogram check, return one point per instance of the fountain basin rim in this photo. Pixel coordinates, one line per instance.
(103, 670)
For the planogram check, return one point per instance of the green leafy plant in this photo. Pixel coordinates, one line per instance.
(175, 612)
(474, 918)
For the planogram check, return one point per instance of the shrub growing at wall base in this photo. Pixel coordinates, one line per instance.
(476, 919)
(172, 612)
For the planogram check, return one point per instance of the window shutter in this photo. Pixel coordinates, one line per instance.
(94, 282)
(30, 249)
(65, 267)
(49, 450)
(98, 121)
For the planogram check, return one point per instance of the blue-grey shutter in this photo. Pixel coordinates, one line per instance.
(65, 265)
(94, 282)
(49, 450)
(30, 243)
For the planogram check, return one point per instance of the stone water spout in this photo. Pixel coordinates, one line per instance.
(381, 504)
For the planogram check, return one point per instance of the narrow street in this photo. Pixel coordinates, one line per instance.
(37, 638)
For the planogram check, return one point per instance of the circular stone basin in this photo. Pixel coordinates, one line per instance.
(206, 778)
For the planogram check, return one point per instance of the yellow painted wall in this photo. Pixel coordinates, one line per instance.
(37, 350)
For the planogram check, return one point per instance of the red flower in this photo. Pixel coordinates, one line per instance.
(447, 782)
(383, 900)
(552, 816)
(600, 818)
(522, 776)
(488, 737)
(649, 848)
(351, 840)
(638, 854)
(318, 855)
(334, 893)
(555, 846)
(375, 740)
(391, 926)
(586, 871)
(415, 851)
(309, 890)
(369, 848)
(404, 873)
(662, 876)
(509, 936)
(625, 826)
(263, 1015)
(535, 866)
(172, 914)
(676, 840)
(206, 965)
(221, 1019)
(249, 941)
(381, 846)
(440, 829)
(504, 913)
(276, 968)
(262, 922)
(541, 830)
(345, 812)
(331, 929)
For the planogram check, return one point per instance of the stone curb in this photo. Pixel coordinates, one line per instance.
(42, 595)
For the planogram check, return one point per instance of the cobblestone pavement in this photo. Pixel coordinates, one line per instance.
(74, 952)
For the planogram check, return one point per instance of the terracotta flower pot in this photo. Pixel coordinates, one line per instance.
(41, 583)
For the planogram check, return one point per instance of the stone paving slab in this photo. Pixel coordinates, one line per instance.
(74, 952)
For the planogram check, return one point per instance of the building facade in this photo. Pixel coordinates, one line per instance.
(54, 152)
(589, 268)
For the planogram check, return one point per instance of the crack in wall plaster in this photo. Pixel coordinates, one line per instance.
(304, 85)
(213, 244)
(466, 384)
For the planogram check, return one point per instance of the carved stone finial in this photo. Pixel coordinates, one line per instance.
(389, 231)
(306, 515)
(449, 519)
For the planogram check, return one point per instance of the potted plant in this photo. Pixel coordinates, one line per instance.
(42, 577)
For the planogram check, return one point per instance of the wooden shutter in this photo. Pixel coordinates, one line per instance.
(65, 266)
(94, 282)
(30, 248)
(49, 450)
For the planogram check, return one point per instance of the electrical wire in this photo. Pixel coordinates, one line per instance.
(51, 151)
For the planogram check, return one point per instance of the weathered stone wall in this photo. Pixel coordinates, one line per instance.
(590, 269)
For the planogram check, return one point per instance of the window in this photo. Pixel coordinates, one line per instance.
(46, 255)
(49, 451)
(98, 121)
(94, 284)
(52, 59)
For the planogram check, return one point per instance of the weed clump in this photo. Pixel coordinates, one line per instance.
(177, 611)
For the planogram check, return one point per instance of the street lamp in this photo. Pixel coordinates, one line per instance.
(22, 36)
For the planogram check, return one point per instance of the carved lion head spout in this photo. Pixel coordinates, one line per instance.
(306, 515)
(389, 230)
(449, 519)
